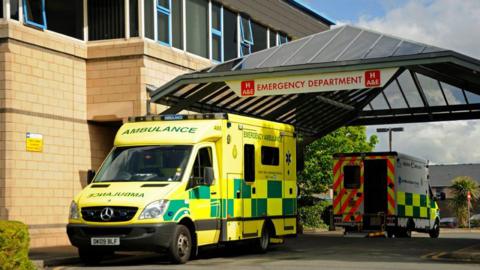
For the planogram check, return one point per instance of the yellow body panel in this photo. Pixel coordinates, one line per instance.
(230, 208)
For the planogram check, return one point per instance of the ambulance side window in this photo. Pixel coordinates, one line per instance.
(351, 177)
(249, 162)
(270, 155)
(203, 163)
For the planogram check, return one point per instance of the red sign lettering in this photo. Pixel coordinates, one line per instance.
(373, 78)
(248, 88)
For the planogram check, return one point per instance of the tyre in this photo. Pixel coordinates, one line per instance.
(181, 246)
(91, 257)
(435, 231)
(262, 243)
(390, 233)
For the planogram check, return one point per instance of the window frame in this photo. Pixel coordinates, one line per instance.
(216, 33)
(244, 42)
(27, 21)
(168, 12)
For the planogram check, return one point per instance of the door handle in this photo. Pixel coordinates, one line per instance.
(213, 193)
(254, 190)
(238, 194)
(290, 190)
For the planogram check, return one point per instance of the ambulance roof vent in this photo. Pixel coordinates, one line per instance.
(178, 117)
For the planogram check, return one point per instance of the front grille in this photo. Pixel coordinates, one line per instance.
(120, 213)
(89, 231)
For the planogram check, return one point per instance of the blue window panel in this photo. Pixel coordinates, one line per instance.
(39, 19)
(217, 34)
(246, 35)
(164, 22)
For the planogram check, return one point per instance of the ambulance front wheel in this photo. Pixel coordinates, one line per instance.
(181, 246)
(435, 231)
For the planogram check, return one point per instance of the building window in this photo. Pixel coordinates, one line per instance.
(273, 38)
(270, 156)
(164, 22)
(246, 36)
(106, 19)
(133, 13)
(197, 27)
(249, 162)
(177, 24)
(65, 17)
(14, 9)
(148, 19)
(229, 35)
(34, 13)
(259, 37)
(282, 38)
(217, 27)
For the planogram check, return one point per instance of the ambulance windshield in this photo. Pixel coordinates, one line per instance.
(145, 163)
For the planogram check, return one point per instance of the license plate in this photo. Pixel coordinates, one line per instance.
(105, 241)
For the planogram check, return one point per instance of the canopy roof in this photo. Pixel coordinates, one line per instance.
(426, 83)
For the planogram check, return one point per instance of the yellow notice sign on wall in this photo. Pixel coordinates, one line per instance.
(34, 142)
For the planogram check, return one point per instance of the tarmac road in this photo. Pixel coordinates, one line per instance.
(325, 250)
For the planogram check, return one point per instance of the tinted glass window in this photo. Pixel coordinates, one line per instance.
(249, 162)
(273, 38)
(106, 19)
(149, 24)
(351, 177)
(197, 27)
(229, 34)
(259, 37)
(177, 24)
(162, 27)
(133, 18)
(65, 17)
(13, 9)
(202, 160)
(270, 155)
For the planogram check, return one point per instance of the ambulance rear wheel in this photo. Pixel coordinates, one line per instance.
(263, 242)
(181, 246)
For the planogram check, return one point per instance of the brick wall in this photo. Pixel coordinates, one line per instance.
(76, 96)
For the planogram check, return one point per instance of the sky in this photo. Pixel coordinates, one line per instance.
(450, 24)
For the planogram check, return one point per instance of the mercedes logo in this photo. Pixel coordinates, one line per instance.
(106, 214)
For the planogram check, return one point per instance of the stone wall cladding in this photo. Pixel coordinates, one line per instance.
(54, 85)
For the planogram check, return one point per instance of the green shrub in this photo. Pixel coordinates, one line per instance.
(311, 216)
(14, 241)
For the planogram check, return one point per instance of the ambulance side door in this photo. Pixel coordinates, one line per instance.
(204, 194)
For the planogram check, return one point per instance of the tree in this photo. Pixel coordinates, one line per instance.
(317, 174)
(460, 187)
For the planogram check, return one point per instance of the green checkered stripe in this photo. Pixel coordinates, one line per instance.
(259, 206)
(413, 205)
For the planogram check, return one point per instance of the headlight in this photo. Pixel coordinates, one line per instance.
(154, 209)
(74, 211)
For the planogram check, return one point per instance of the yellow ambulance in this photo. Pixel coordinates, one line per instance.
(174, 183)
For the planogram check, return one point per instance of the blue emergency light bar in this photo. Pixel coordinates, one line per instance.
(178, 117)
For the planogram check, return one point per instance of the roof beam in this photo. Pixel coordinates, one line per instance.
(335, 103)
(416, 118)
(190, 100)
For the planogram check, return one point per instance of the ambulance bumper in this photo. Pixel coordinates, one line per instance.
(154, 237)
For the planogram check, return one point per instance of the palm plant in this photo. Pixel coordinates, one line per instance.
(460, 187)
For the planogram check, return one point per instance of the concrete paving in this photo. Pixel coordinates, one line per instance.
(313, 250)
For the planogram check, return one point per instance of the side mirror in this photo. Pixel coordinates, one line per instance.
(90, 176)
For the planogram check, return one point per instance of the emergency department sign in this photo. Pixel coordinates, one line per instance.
(313, 83)
(34, 142)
